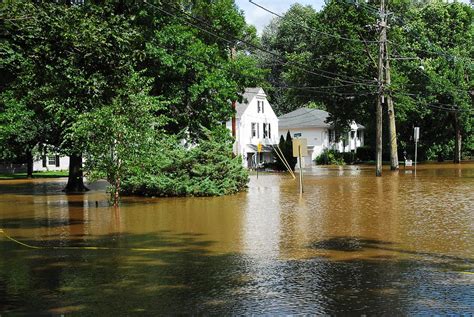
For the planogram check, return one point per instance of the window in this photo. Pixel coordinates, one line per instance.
(258, 130)
(266, 130)
(359, 134)
(269, 131)
(51, 160)
(331, 136)
(352, 134)
(254, 130)
(260, 106)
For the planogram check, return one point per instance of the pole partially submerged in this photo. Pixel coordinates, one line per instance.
(416, 135)
(301, 170)
(380, 96)
(300, 149)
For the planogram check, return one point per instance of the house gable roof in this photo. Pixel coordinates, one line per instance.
(307, 118)
(248, 96)
(304, 118)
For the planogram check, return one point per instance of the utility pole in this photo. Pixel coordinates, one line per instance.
(458, 138)
(391, 114)
(380, 96)
(234, 128)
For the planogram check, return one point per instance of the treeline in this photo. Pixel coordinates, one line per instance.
(141, 89)
(138, 88)
(329, 59)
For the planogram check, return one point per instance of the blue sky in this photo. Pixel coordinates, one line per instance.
(260, 18)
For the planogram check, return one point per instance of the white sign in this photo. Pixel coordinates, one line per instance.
(408, 163)
(417, 134)
(300, 145)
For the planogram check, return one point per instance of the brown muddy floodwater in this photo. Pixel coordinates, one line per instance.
(354, 243)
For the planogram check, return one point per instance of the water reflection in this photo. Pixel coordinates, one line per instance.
(353, 243)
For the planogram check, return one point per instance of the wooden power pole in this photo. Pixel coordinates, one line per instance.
(391, 116)
(234, 128)
(380, 96)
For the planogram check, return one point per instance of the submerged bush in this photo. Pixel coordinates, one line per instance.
(206, 169)
(330, 157)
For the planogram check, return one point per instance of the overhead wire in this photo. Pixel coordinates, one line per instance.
(322, 73)
(403, 22)
(313, 29)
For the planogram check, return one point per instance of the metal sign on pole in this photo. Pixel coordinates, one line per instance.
(416, 136)
(300, 149)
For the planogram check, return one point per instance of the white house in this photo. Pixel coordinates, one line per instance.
(255, 122)
(311, 124)
(50, 162)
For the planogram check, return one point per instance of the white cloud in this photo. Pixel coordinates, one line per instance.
(261, 18)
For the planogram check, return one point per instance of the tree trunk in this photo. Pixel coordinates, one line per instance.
(75, 183)
(457, 140)
(29, 164)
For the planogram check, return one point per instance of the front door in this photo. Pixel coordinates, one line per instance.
(250, 160)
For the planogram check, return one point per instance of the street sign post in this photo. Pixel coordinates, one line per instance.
(259, 150)
(416, 136)
(300, 149)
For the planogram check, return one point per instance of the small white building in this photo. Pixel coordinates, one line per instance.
(255, 122)
(311, 124)
(50, 162)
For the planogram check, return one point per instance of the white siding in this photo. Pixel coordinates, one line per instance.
(38, 164)
(251, 115)
(318, 140)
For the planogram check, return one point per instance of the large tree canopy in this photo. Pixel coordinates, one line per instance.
(330, 58)
(68, 60)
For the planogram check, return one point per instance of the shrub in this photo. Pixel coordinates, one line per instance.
(207, 169)
(329, 157)
(286, 146)
(365, 153)
(348, 157)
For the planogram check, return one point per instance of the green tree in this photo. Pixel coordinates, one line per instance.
(434, 89)
(72, 59)
(286, 147)
(119, 134)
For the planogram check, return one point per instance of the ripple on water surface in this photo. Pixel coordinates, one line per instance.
(398, 245)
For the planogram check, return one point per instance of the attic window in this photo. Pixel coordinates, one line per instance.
(260, 106)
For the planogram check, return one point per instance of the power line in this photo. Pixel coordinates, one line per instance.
(334, 93)
(312, 29)
(297, 64)
(403, 22)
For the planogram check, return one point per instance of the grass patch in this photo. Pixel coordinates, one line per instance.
(47, 174)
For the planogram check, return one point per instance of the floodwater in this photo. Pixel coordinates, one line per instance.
(353, 243)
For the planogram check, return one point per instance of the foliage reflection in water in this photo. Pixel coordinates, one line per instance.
(399, 244)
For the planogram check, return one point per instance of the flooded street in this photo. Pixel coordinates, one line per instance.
(353, 243)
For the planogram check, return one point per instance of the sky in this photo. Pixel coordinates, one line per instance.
(261, 18)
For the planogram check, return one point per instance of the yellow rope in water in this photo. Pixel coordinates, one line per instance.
(2, 231)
